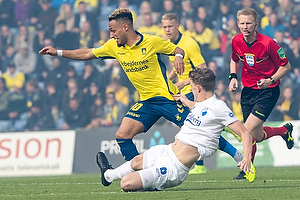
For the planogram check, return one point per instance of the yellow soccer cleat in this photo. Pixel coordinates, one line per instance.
(198, 169)
(249, 175)
(288, 136)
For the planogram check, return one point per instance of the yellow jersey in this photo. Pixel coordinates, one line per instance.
(210, 38)
(11, 80)
(264, 22)
(192, 58)
(143, 65)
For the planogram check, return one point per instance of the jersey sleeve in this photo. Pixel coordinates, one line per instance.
(162, 46)
(277, 54)
(194, 53)
(106, 50)
(234, 55)
(223, 114)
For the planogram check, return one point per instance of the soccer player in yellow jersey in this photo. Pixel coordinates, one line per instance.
(192, 59)
(139, 56)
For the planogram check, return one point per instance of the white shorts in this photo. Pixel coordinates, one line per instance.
(162, 169)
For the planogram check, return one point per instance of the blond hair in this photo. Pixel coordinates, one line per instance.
(170, 16)
(247, 11)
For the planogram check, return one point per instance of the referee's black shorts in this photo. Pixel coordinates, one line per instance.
(259, 102)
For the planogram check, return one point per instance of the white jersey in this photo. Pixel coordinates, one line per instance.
(204, 124)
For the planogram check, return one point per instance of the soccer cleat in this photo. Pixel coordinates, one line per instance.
(104, 165)
(198, 169)
(241, 175)
(288, 136)
(249, 175)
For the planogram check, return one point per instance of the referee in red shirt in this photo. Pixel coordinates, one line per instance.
(264, 64)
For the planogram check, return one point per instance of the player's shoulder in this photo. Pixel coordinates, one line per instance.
(155, 41)
(108, 48)
(111, 43)
(188, 42)
(216, 103)
(213, 103)
(152, 37)
(188, 38)
(265, 39)
(238, 37)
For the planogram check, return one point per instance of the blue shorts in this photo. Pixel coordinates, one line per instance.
(149, 111)
(190, 96)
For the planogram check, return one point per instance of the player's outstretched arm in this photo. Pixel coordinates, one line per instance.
(238, 128)
(184, 100)
(77, 54)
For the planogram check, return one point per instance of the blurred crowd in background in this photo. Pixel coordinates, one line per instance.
(53, 93)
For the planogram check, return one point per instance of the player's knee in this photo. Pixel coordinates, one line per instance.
(137, 162)
(258, 137)
(123, 135)
(126, 184)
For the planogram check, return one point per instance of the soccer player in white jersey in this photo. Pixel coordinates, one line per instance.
(192, 59)
(165, 166)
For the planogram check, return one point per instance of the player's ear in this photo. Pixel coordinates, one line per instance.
(125, 26)
(199, 88)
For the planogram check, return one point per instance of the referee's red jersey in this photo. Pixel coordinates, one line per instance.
(260, 61)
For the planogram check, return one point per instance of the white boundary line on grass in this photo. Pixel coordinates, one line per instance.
(196, 181)
(56, 194)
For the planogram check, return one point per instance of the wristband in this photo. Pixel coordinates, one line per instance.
(59, 53)
(179, 55)
(232, 75)
(272, 80)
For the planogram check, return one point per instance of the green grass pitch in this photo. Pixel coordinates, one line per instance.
(271, 183)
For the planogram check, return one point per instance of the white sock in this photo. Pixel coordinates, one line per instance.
(118, 173)
(238, 157)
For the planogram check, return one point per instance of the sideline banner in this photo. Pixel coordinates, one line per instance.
(89, 142)
(271, 152)
(36, 153)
